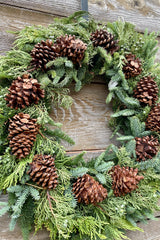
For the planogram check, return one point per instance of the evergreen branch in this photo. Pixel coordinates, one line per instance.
(15, 63)
(79, 171)
(34, 186)
(16, 175)
(126, 112)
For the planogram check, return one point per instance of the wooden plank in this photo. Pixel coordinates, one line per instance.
(143, 13)
(86, 121)
(151, 230)
(58, 8)
(14, 19)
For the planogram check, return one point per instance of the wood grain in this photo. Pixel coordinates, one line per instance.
(143, 13)
(58, 8)
(151, 231)
(14, 19)
(87, 120)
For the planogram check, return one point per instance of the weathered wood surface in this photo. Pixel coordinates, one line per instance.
(143, 13)
(14, 19)
(151, 231)
(87, 120)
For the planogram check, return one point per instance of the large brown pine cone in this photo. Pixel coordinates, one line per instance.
(153, 120)
(147, 91)
(43, 172)
(71, 48)
(132, 66)
(102, 38)
(22, 134)
(23, 92)
(87, 190)
(146, 147)
(125, 180)
(42, 53)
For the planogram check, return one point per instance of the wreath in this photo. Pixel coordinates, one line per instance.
(72, 198)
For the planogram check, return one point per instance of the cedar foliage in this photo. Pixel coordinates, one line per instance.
(58, 210)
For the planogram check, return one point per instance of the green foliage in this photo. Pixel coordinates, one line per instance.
(59, 134)
(136, 126)
(7, 166)
(59, 97)
(4, 208)
(126, 112)
(54, 211)
(17, 174)
(79, 171)
(130, 147)
(123, 158)
(21, 195)
(103, 167)
(40, 112)
(26, 219)
(14, 64)
(5, 114)
(77, 160)
(21, 207)
(130, 102)
(150, 164)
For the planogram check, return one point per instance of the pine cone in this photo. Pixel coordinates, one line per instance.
(153, 120)
(104, 39)
(42, 53)
(147, 91)
(87, 190)
(43, 171)
(146, 147)
(132, 66)
(71, 48)
(23, 92)
(125, 180)
(22, 134)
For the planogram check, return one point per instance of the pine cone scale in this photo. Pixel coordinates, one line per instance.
(22, 134)
(21, 92)
(42, 53)
(147, 91)
(104, 39)
(153, 120)
(146, 147)
(43, 171)
(72, 48)
(87, 190)
(132, 66)
(125, 180)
